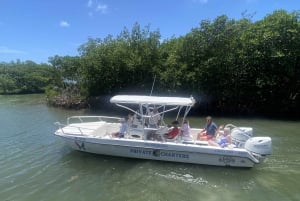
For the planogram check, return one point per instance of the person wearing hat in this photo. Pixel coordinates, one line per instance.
(174, 131)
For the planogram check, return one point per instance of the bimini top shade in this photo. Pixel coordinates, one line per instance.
(154, 100)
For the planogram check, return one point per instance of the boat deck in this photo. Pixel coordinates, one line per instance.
(104, 130)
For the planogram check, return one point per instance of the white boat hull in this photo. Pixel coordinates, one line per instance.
(164, 151)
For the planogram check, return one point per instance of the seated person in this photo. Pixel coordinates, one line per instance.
(219, 132)
(122, 131)
(185, 131)
(174, 131)
(209, 131)
(223, 140)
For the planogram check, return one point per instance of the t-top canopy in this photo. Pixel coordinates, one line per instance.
(154, 100)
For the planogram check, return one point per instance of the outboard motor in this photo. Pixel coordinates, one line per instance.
(240, 135)
(260, 147)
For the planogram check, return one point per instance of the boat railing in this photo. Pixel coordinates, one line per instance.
(242, 132)
(240, 137)
(82, 119)
(64, 129)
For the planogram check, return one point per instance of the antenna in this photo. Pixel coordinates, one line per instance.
(153, 85)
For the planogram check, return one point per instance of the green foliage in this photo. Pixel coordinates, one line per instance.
(234, 66)
(26, 77)
(271, 58)
(67, 67)
(117, 64)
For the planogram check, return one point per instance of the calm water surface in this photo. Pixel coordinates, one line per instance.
(34, 165)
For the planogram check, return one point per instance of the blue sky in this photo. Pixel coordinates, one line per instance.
(38, 29)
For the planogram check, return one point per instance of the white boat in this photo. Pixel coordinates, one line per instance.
(93, 134)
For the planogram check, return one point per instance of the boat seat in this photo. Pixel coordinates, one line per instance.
(104, 128)
(175, 139)
(135, 133)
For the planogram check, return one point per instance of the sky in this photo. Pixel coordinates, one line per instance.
(38, 29)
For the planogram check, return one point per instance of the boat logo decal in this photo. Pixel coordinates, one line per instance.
(158, 153)
(80, 146)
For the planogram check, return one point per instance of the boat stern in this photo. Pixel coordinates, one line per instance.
(260, 147)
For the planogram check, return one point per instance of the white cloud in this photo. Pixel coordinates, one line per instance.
(6, 50)
(201, 1)
(102, 8)
(90, 3)
(95, 7)
(64, 24)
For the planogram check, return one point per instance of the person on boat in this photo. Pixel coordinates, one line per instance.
(219, 131)
(136, 122)
(209, 131)
(154, 119)
(223, 140)
(186, 131)
(130, 120)
(174, 131)
(122, 131)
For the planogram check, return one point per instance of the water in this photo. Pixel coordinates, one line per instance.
(35, 165)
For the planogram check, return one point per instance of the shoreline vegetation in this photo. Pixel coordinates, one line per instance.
(231, 67)
(69, 98)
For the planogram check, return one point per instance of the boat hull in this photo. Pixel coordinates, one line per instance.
(163, 151)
